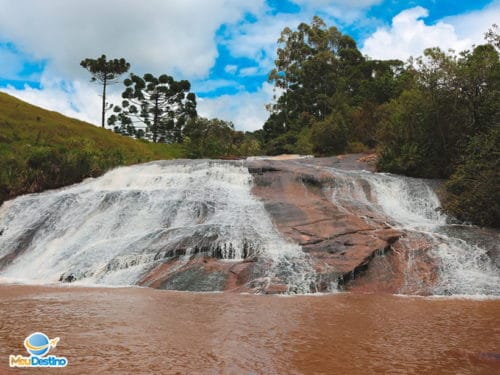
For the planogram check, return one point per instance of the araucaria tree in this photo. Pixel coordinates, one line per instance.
(161, 104)
(105, 72)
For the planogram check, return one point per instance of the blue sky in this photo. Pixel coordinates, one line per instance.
(225, 48)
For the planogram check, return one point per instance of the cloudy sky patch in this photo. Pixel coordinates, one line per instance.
(225, 48)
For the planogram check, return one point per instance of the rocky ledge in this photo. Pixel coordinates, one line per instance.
(340, 244)
(354, 250)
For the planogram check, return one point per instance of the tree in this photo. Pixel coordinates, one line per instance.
(105, 72)
(493, 37)
(453, 97)
(316, 66)
(320, 71)
(330, 135)
(162, 104)
(209, 138)
(472, 192)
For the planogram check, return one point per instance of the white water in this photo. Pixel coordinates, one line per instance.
(412, 205)
(113, 229)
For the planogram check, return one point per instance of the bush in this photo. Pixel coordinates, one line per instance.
(356, 147)
(284, 144)
(472, 192)
(329, 137)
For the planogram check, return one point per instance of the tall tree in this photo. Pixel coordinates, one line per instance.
(452, 99)
(317, 67)
(105, 72)
(162, 104)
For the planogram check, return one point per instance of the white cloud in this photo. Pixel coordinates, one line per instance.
(231, 69)
(175, 36)
(250, 71)
(473, 25)
(408, 34)
(74, 99)
(258, 41)
(178, 37)
(246, 110)
(83, 101)
(214, 84)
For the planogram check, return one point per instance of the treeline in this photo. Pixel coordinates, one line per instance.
(329, 93)
(163, 110)
(436, 116)
(446, 124)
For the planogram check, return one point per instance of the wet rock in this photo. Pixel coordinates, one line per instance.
(341, 245)
(67, 278)
(276, 289)
(196, 280)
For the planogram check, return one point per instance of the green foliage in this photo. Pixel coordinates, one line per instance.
(472, 192)
(40, 149)
(356, 148)
(424, 131)
(446, 124)
(320, 71)
(304, 144)
(208, 138)
(409, 137)
(216, 138)
(105, 72)
(283, 144)
(436, 116)
(315, 63)
(330, 135)
(162, 104)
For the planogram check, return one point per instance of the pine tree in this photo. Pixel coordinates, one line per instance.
(105, 72)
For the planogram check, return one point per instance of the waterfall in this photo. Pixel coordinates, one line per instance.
(411, 204)
(113, 229)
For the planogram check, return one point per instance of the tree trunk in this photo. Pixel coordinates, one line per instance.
(155, 121)
(103, 100)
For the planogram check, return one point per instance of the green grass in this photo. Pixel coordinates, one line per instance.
(40, 149)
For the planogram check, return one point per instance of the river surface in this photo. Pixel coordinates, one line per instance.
(144, 331)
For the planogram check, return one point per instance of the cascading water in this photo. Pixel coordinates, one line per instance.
(116, 229)
(113, 229)
(412, 205)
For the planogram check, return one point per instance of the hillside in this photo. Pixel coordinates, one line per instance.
(40, 149)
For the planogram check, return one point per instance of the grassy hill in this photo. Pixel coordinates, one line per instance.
(40, 149)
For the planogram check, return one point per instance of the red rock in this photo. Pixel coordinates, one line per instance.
(276, 289)
(340, 244)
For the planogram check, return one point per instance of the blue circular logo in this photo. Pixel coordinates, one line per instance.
(37, 344)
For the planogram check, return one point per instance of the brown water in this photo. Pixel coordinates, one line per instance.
(145, 331)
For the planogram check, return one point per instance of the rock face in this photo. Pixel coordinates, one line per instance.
(348, 249)
(280, 225)
(340, 244)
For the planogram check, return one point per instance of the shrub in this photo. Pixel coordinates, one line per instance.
(472, 192)
(329, 137)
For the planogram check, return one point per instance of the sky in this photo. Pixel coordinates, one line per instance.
(225, 48)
